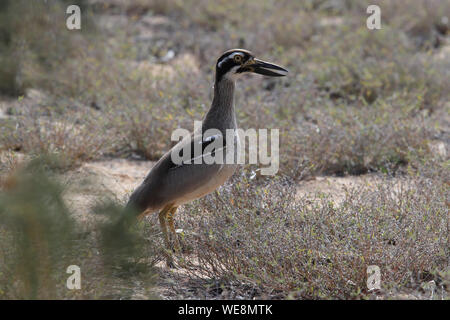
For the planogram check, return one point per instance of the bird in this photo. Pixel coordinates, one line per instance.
(170, 184)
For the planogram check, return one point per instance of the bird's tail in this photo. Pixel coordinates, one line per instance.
(118, 237)
(121, 219)
(136, 205)
(119, 244)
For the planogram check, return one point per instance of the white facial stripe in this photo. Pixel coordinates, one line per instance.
(231, 56)
(231, 74)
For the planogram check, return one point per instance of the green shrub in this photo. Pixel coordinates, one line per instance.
(40, 239)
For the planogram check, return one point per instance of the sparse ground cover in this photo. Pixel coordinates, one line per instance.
(364, 126)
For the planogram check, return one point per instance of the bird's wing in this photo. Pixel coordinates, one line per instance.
(170, 180)
(196, 149)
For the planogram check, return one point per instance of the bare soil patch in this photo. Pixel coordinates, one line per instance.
(115, 179)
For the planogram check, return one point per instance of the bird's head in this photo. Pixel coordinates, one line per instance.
(236, 62)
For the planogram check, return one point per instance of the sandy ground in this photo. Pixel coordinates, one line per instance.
(100, 181)
(115, 179)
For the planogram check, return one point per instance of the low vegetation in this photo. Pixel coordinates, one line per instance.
(263, 240)
(356, 101)
(41, 239)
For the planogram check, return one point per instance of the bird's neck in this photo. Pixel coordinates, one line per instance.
(221, 114)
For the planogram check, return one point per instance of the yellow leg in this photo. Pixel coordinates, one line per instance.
(170, 220)
(162, 222)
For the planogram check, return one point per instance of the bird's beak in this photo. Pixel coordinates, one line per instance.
(264, 68)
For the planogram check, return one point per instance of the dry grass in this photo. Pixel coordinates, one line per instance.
(260, 235)
(343, 101)
(40, 239)
(355, 101)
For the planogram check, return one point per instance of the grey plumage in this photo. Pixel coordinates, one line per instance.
(170, 185)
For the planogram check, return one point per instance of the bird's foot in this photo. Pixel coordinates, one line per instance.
(173, 249)
(170, 260)
(172, 253)
(177, 247)
(170, 263)
(174, 244)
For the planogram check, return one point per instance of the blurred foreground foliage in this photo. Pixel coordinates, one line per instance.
(37, 233)
(356, 101)
(39, 239)
(34, 41)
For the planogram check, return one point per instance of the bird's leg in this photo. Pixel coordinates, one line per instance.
(162, 222)
(170, 220)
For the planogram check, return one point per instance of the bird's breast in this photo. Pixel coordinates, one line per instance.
(222, 175)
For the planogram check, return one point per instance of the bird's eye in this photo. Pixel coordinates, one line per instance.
(237, 58)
